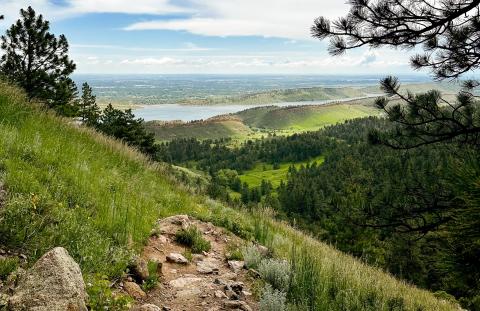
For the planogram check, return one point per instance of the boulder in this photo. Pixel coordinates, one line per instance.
(177, 258)
(236, 265)
(148, 307)
(139, 269)
(207, 267)
(53, 283)
(134, 290)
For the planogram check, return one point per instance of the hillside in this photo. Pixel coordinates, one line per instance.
(260, 121)
(69, 186)
(214, 128)
(304, 118)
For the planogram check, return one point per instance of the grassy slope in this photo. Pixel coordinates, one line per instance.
(262, 171)
(214, 129)
(72, 187)
(305, 118)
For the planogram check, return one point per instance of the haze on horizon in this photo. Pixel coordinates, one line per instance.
(208, 36)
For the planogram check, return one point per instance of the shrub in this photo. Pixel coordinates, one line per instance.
(101, 297)
(234, 252)
(252, 257)
(152, 279)
(193, 238)
(275, 272)
(7, 266)
(273, 300)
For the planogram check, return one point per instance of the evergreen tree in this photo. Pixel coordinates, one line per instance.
(447, 31)
(88, 108)
(123, 125)
(38, 61)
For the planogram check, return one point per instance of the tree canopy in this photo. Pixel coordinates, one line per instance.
(448, 31)
(38, 61)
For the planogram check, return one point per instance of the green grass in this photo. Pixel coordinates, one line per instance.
(210, 129)
(193, 238)
(305, 118)
(69, 186)
(263, 171)
(7, 266)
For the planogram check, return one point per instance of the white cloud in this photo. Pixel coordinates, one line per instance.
(11, 8)
(152, 61)
(267, 18)
(189, 47)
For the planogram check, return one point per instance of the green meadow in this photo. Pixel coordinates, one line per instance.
(263, 171)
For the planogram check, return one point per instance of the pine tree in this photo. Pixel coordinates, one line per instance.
(88, 108)
(37, 61)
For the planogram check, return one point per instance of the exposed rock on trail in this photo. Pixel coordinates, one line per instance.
(54, 283)
(205, 281)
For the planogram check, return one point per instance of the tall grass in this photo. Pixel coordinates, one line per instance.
(70, 186)
(76, 188)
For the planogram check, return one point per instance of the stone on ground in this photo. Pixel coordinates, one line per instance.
(54, 282)
(177, 258)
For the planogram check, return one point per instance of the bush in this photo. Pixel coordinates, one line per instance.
(101, 296)
(234, 252)
(275, 272)
(273, 300)
(193, 238)
(7, 266)
(152, 279)
(252, 257)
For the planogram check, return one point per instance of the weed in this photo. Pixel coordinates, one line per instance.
(252, 256)
(152, 279)
(193, 238)
(233, 251)
(7, 266)
(101, 297)
(275, 272)
(273, 300)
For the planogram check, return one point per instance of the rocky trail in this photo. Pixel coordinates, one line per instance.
(208, 282)
(184, 281)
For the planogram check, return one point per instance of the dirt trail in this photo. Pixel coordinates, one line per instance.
(208, 282)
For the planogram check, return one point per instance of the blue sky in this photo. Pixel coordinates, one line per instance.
(203, 36)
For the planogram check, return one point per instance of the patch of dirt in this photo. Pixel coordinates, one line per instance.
(207, 282)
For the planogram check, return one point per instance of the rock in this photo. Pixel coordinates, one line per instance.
(220, 294)
(176, 220)
(229, 276)
(237, 287)
(246, 293)
(197, 257)
(148, 307)
(134, 290)
(177, 258)
(237, 304)
(139, 269)
(53, 283)
(170, 225)
(165, 308)
(162, 239)
(188, 293)
(263, 250)
(184, 282)
(231, 294)
(207, 267)
(236, 265)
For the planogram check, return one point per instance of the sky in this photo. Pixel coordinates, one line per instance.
(203, 36)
